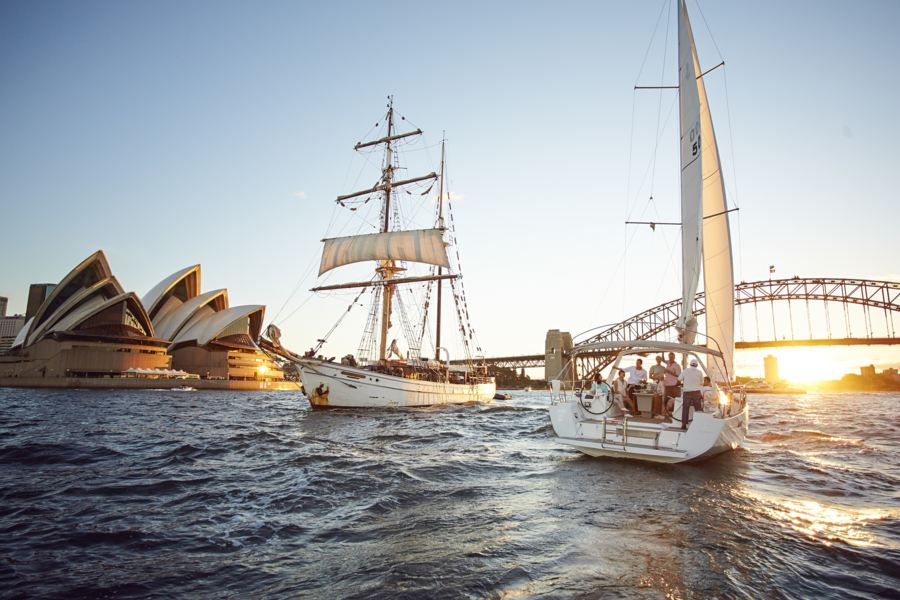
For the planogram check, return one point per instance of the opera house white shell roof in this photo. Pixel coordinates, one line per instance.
(91, 301)
(184, 316)
(177, 288)
(78, 303)
(174, 321)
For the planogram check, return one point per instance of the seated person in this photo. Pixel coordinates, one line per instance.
(637, 375)
(598, 388)
(620, 395)
(710, 395)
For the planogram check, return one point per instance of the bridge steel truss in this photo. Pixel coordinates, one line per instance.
(878, 295)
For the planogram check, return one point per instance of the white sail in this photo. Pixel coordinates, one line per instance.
(691, 180)
(718, 273)
(423, 245)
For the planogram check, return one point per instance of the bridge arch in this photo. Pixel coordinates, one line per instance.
(878, 295)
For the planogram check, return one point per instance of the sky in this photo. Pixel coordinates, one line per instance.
(169, 134)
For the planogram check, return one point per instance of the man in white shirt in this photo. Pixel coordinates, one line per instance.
(636, 375)
(691, 394)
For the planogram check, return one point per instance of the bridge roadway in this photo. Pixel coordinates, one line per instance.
(872, 296)
(533, 361)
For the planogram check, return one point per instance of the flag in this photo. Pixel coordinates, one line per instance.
(653, 226)
(772, 269)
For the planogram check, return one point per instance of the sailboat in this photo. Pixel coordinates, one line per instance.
(390, 378)
(597, 425)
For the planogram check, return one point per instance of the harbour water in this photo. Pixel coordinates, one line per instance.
(153, 494)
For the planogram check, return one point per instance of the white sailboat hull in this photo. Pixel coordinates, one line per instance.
(331, 385)
(706, 436)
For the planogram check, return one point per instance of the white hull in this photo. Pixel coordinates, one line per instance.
(331, 385)
(707, 435)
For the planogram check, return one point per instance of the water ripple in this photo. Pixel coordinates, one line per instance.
(136, 494)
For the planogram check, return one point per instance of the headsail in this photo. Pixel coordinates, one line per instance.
(422, 245)
(718, 272)
(691, 179)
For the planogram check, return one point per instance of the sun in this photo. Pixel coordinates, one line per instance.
(805, 364)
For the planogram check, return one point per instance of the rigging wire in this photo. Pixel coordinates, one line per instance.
(662, 78)
(650, 45)
(731, 140)
(655, 151)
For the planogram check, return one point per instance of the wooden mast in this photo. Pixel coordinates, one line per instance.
(440, 224)
(387, 266)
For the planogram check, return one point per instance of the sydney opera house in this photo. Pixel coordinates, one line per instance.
(90, 332)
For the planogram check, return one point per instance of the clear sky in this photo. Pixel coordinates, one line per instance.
(170, 133)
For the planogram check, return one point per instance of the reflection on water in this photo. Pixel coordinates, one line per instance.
(825, 523)
(130, 494)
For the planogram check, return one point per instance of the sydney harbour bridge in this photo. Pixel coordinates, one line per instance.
(847, 312)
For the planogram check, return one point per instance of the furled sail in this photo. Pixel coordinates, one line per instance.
(718, 274)
(423, 245)
(691, 180)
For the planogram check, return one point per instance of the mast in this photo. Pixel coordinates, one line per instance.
(387, 266)
(691, 179)
(680, 164)
(437, 345)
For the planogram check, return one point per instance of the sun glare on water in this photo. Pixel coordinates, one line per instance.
(826, 524)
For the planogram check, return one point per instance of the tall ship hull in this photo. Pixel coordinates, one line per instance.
(330, 385)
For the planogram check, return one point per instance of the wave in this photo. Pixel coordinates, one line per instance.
(51, 454)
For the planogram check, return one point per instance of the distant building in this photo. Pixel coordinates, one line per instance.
(37, 293)
(9, 329)
(4, 301)
(868, 371)
(771, 364)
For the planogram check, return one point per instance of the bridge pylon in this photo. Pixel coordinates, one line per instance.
(557, 351)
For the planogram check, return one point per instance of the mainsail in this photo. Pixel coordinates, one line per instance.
(422, 245)
(718, 274)
(691, 180)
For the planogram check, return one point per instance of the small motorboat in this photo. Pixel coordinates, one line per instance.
(184, 388)
(499, 396)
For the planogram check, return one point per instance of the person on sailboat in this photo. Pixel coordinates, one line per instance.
(707, 392)
(692, 395)
(637, 375)
(620, 391)
(671, 382)
(658, 375)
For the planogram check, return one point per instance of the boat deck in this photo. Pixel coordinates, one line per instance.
(639, 421)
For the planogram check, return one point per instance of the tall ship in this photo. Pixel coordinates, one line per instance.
(596, 424)
(380, 374)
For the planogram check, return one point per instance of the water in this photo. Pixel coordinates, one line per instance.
(253, 495)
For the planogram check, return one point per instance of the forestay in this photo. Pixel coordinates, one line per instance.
(423, 246)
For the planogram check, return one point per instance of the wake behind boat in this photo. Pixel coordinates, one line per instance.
(380, 375)
(599, 424)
